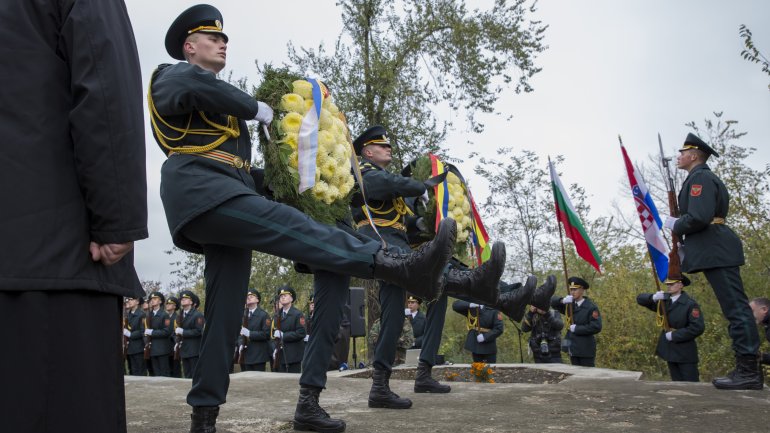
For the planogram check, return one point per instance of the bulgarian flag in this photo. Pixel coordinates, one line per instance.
(573, 228)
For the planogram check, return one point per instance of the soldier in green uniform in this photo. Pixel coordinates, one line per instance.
(586, 323)
(711, 247)
(172, 308)
(190, 332)
(255, 338)
(213, 208)
(405, 340)
(545, 328)
(135, 331)
(416, 318)
(159, 333)
(676, 344)
(485, 325)
(289, 332)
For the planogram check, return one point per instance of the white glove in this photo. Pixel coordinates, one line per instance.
(407, 312)
(669, 335)
(179, 331)
(669, 222)
(245, 332)
(480, 338)
(472, 305)
(659, 296)
(148, 332)
(422, 225)
(264, 113)
(424, 198)
(278, 333)
(126, 332)
(567, 299)
(572, 327)
(307, 337)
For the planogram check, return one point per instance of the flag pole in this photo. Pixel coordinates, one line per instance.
(568, 308)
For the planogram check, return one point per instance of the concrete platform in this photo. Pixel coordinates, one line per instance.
(590, 400)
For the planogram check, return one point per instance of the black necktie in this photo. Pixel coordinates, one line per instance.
(250, 314)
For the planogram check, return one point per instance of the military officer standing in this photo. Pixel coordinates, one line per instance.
(159, 333)
(545, 328)
(135, 332)
(416, 318)
(676, 344)
(172, 307)
(190, 332)
(484, 326)
(289, 332)
(256, 336)
(586, 323)
(213, 208)
(711, 247)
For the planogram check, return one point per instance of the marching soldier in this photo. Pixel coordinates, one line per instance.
(416, 318)
(190, 332)
(289, 332)
(761, 309)
(545, 328)
(586, 323)
(159, 332)
(213, 208)
(134, 332)
(676, 345)
(484, 326)
(256, 336)
(711, 247)
(172, 306)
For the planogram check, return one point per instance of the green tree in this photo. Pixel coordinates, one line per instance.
(751, 53)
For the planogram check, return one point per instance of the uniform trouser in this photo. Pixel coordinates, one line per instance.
(161, 366)
(583, 361)
(392, 318)
(56, 378)
(175, 366)
(228, 234)
(434, 326)
(341, 348)
(330, 294)
(728, 288)
(136, 365)
(260, 366)
(683, 371)
(490, 358)
(294, 367)
(188, 364)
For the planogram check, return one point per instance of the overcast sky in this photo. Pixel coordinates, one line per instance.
(635, 68)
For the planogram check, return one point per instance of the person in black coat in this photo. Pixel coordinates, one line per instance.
(484, 326)
(189, 334)
(545, 334)
(289, 332)
(760, 307)
(711, 247)
(74, 192)
(586, 322)
(159, 334)
(135, 332)
(417, 319)
(212, 206)
(255, 337)
(676, 344)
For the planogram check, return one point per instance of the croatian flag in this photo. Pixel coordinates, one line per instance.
(648, 215)
(307, 144)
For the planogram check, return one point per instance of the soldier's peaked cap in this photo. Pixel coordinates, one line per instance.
(173, 300)
(201, 18)
(192, 296)
(694, 142)
(158, 295)
(256, 293)
(414, 298)
(287, 289)
(577, 283)
(671, 279)
(374, 135)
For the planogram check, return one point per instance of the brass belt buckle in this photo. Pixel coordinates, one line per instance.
(237, 162)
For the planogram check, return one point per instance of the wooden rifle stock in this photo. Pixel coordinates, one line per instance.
(147, 338)
(178, 338)
(278, 343)
(674, 264)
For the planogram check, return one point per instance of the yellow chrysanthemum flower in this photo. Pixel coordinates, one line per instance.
(325, 122)
(308, 105)
(303, 88)
(291, 122)
(453, 179)
(292, 102)
(291, 138)
(326, 139)
(333, 109)
(466, 220)
(294, 159)
(466, 206)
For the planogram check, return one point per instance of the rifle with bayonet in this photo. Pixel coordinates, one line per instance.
(147, 338)
(178, 339)
(242, 347)
(278, 352)
(126, 327)
(674, 263)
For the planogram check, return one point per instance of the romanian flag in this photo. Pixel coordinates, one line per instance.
(479, 234)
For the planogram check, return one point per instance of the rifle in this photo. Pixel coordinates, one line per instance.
(674, 263)
(278, 342)
(178, 339)
(242, 347)
(147, 338)
(125, 339)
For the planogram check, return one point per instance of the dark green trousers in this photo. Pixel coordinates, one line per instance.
(728, 288)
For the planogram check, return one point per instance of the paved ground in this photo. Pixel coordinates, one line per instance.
(591, 400)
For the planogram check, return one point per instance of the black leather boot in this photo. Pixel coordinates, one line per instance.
(424, 382)
(309, 416)
(422, 271)
(204, 419)
(381, 396)
(513, 300)
(747, 375)
(480, 285)
(542, 297)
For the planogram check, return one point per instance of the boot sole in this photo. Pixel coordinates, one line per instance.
(758, 387)
(430, 391)
(307, 427)
(376, 405)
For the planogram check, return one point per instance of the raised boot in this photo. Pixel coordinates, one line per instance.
(204, 419)
(747, 375)
(424, 382)
(420, 272)
(542, 297)
(381, 396)
(514, 298)
(480, 285)
(310, 416)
